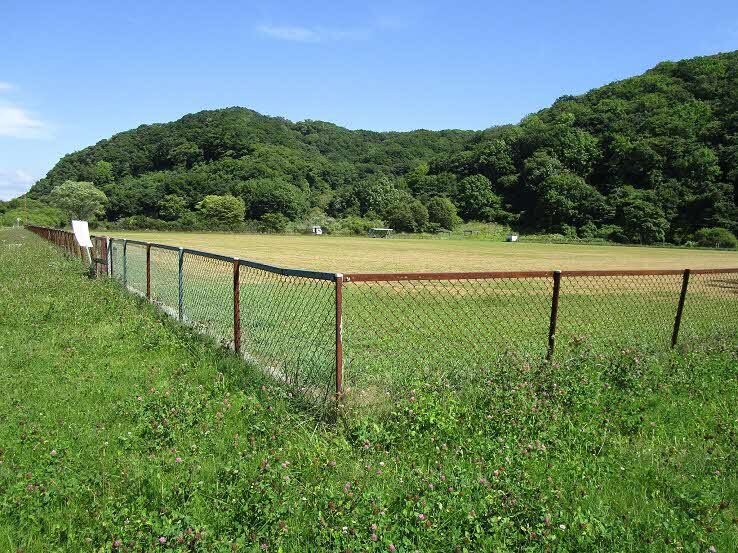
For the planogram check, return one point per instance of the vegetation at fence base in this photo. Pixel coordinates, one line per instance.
(122, 431)
(647, 159)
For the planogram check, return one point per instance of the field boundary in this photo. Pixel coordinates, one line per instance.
(305, 327)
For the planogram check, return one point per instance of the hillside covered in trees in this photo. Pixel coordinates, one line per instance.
(648, 159)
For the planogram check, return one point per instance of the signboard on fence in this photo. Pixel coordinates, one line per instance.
(82, 233)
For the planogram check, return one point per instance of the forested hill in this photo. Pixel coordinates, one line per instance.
(646, 159)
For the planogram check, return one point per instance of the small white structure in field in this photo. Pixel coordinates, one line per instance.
(512, 238)
(380, 232)
(316, 229)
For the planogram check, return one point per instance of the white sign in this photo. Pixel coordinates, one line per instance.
(82, 233)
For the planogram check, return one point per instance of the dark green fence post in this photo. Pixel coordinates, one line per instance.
(236, 306)
(110, 257)
(125, 264)
(180, 296)
(148, 271)
(680, 308)
(554, 314)
(339, 337)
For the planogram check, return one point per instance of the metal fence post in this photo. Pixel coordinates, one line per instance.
(125, 263)
(148, 271)
(180, 296)
(680, 308)
(554, 314)
(236, 306)
(110, 258)
(104, 255)
(339, 337)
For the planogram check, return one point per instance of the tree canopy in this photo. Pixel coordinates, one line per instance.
(647, 159)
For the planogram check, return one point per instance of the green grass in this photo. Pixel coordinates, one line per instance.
(628, 451)
(354, 254)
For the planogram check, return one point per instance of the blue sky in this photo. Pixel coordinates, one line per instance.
(73, 72)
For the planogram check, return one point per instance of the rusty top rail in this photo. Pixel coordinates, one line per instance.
(396, 277)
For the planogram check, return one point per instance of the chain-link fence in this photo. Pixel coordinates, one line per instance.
(366, 336)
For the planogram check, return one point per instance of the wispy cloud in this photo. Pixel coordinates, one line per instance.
(5, 87)
(16, 122)
(310, 34)
(14, 182)
(295, 34)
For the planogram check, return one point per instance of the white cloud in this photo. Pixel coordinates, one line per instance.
(13, 183)
(295, 34)
(5, 87)
(307, 34)
(16, 122)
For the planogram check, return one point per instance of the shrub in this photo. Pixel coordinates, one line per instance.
(356, 225)
(716, 237)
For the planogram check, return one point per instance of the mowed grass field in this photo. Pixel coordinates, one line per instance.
(357, 254)
(121, 430)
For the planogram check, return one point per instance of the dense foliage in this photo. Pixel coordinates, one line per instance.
(648, 159)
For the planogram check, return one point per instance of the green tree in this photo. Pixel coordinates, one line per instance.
(172, 207)
(273, 223)
(377, 194)
(474, 195)
(80, 200)
(273, 196)
(225, 211)
(566, 199)
(442, 212)
(644, 222)
(104, 176)
(401, 218)
(409, 216)
(185, 155)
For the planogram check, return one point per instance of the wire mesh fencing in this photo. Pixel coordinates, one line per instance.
(361, 338)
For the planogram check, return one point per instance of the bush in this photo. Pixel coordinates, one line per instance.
(355, 225)
(140, 222)
(716, 237)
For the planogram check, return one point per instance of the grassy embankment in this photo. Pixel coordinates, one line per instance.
(120, 430)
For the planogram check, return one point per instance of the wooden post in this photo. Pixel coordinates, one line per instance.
(236, 306)
(339, 337)
(148, 271)
(680, 308)
(554, 314)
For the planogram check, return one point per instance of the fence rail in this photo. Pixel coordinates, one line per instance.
(332, 336)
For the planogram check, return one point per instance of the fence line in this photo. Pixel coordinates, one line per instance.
(313, 329)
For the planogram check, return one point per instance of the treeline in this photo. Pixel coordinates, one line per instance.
(648, 159)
